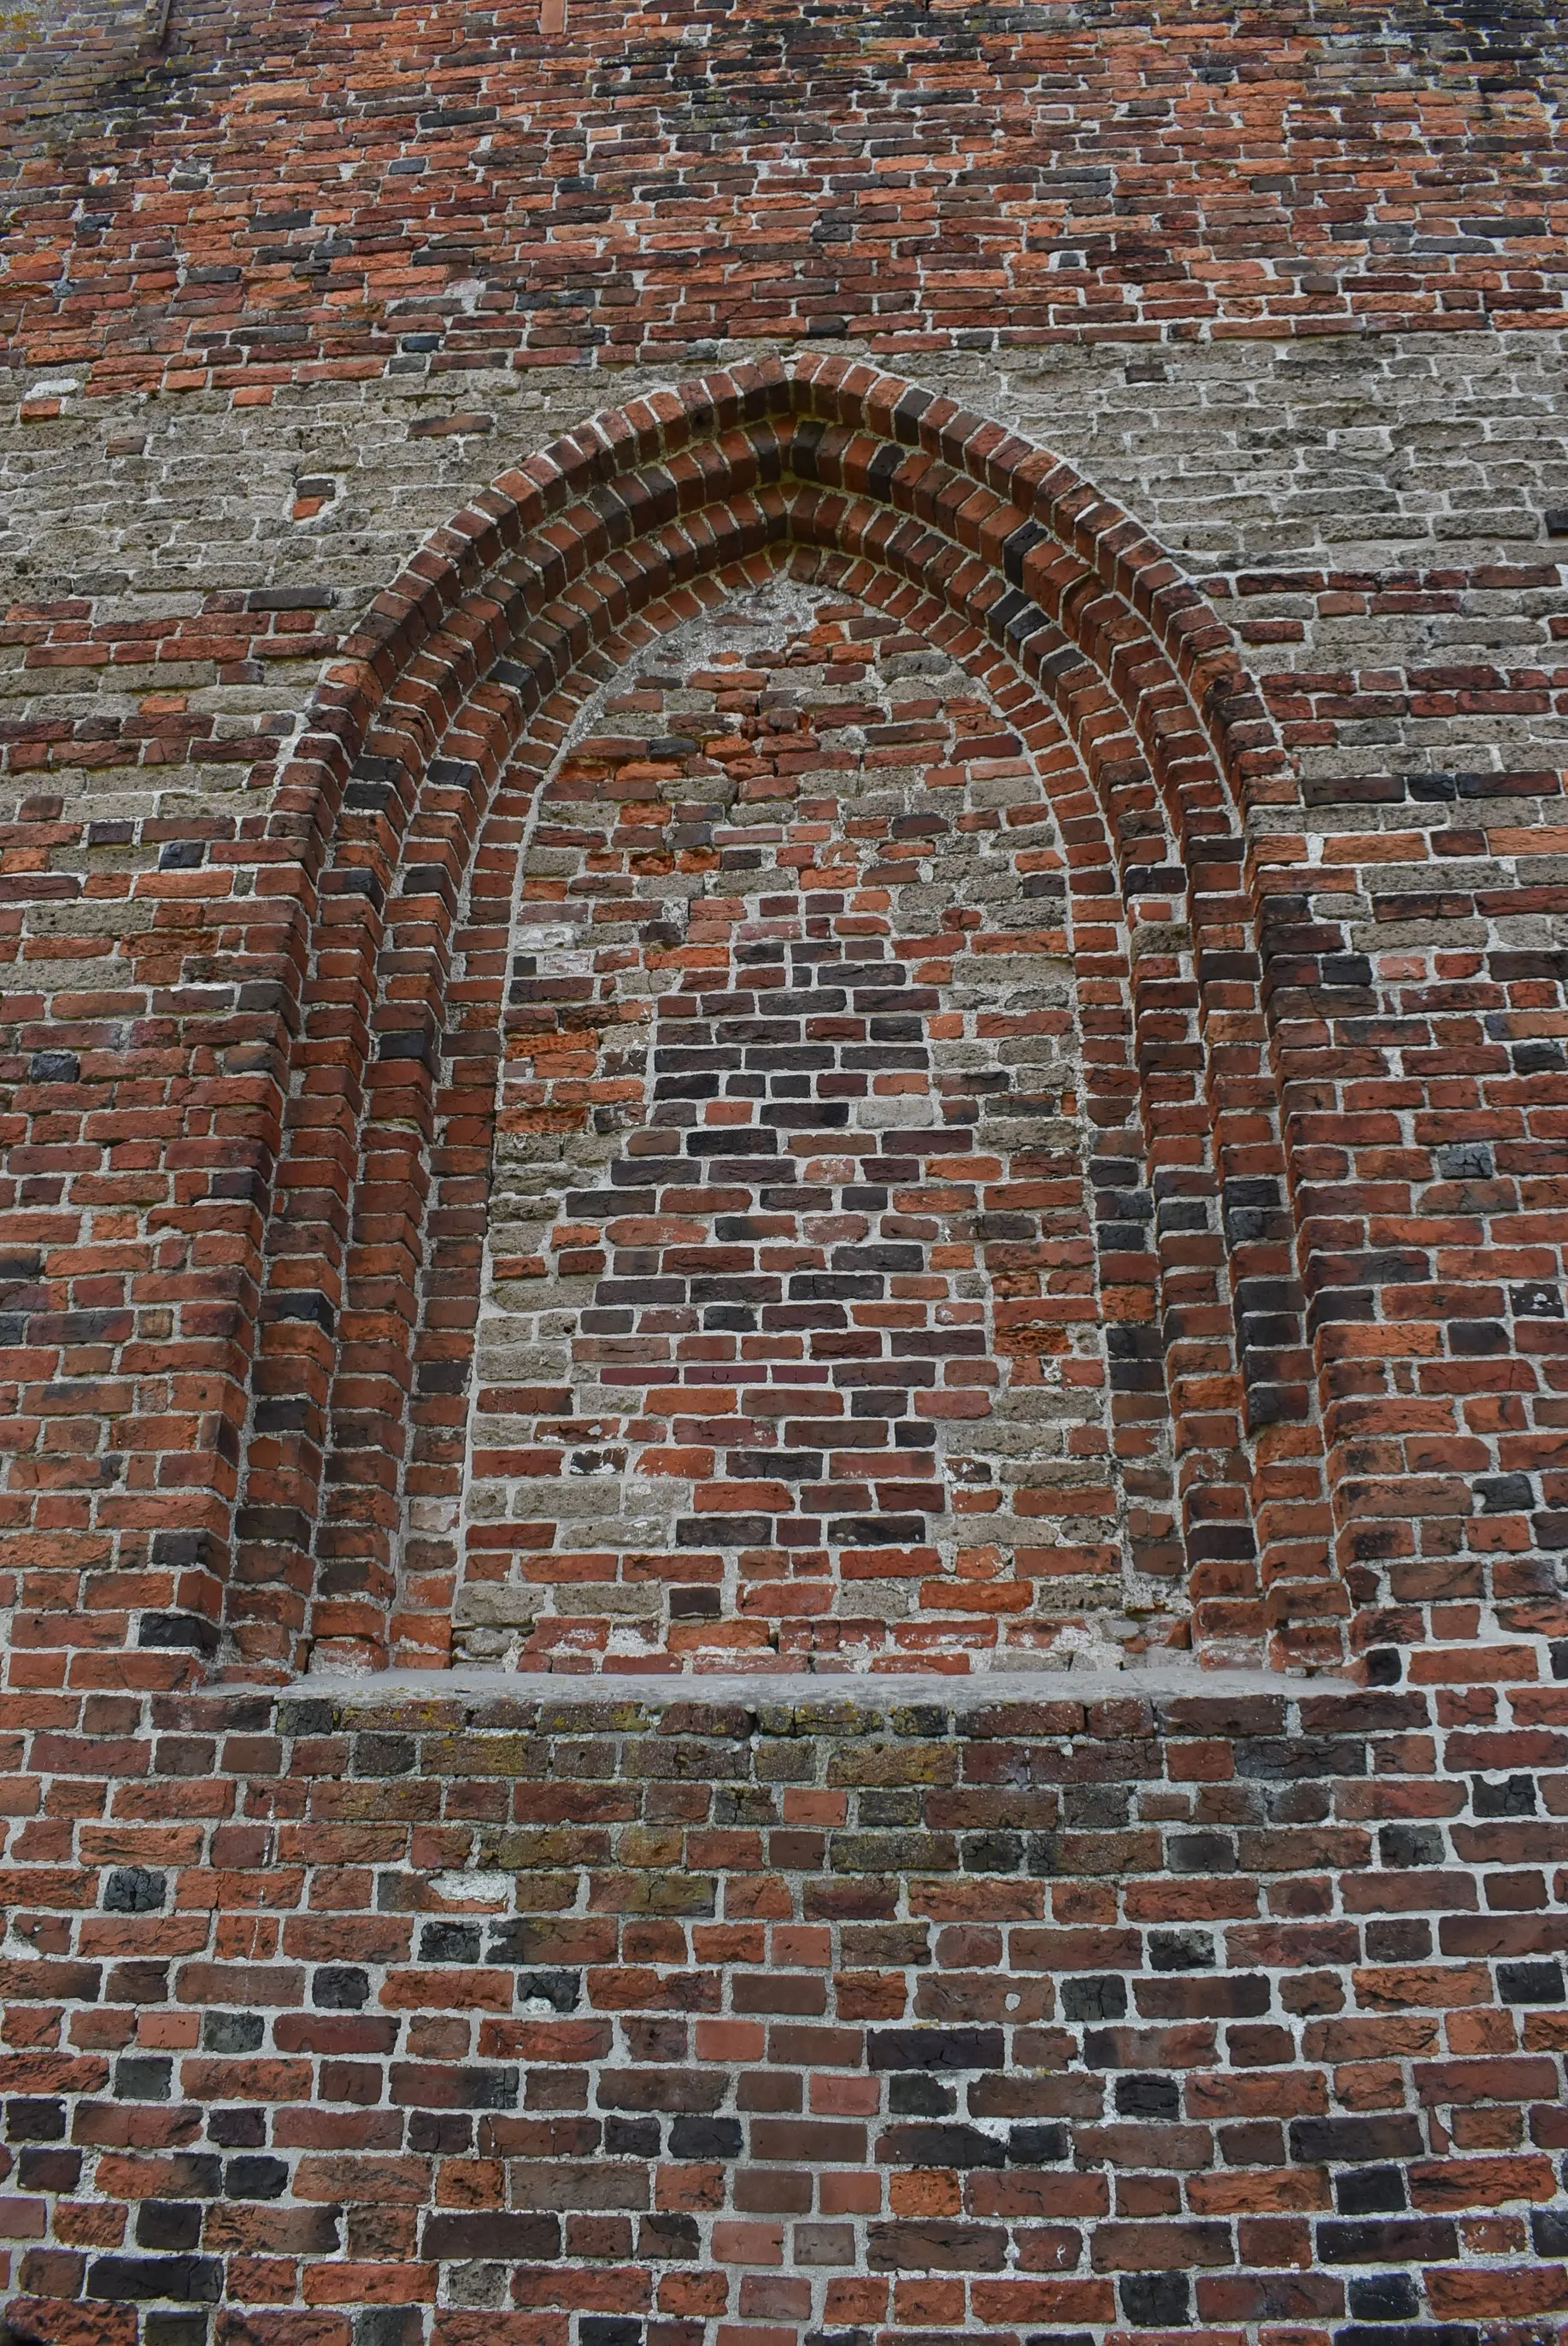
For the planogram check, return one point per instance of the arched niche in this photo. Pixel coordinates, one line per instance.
(443, 743)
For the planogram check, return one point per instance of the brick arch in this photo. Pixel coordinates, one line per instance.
(476, 651)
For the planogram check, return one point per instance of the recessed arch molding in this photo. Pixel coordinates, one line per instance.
(406, 800)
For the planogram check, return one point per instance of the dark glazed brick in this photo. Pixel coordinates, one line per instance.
(1285, 1760)
(934, 2048)
(188, 2329)
(186, 1632)
(1413, 2333)
(1404, 1845)
(119, 2279)
(1146, 2097)
(1530, 1984)
(231, 2032)
(1393, 2238)
(1549, 2231)
(236, 2129)
(940, 2146)
(49, 2170)
(1201, 1853)
(425, 2086)
(698, 2137)
(919, 2095)
(1515, 1796)
(449, 1943)
(1385, 2297)
(255, 2178)
(135, 1890)
(1156, 2301)
(1356, 2139)
(670, 2238)
(1374, 2191)
(387, 2325)
(168, 2224)
(561, 1991)
(338, 1987)
(466, 2237)
(1095, 1999)
(143, 2077)
(1181, 1951)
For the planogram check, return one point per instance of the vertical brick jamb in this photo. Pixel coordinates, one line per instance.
(351, 811)
(1302, 1600)
(1187, 1132)
(1289, 1601)
(1307, 1598)
(466, 1017)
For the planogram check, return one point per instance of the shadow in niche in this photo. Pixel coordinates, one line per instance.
(809, 1368)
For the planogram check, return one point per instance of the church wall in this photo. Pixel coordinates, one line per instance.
(1145, 1920)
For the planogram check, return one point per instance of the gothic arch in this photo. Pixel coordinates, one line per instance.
(429, 737)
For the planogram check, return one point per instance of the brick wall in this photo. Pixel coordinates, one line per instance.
(1013, 789)
(464, 2017)
(782, 889)
(916, 176)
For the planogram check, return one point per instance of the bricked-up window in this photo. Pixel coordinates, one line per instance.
(792, 1344)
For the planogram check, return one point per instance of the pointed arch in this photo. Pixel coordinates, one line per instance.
(462, 679)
